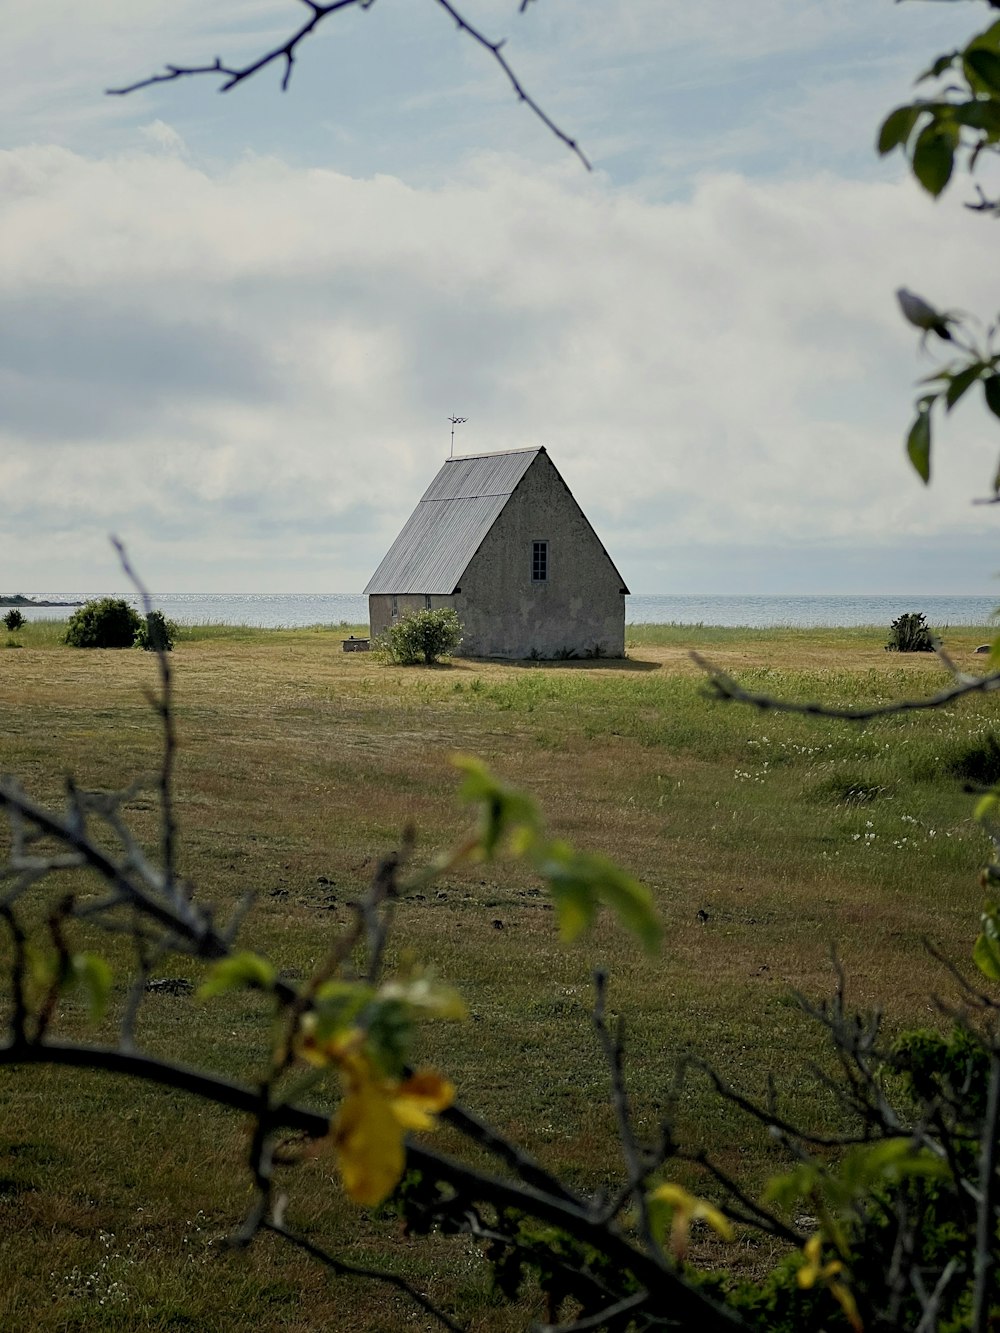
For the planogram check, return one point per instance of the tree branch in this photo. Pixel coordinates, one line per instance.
(725, 688)
(285, 52)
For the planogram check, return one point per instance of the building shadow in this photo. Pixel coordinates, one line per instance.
(559, 664)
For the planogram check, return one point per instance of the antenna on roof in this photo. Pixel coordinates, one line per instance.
(455, 421)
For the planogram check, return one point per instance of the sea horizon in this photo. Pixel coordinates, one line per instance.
(750, 610)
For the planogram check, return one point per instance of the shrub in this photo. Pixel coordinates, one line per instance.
(978, 763)
(13, 619)
(105, 623)
(423, 637)
(156, 634)
(910, 634)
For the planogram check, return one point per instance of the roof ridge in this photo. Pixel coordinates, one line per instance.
(499, 453)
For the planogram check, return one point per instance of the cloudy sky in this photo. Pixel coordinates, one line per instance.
(235, 326)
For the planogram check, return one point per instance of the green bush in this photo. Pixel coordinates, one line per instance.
(105, 623)
(13, 619)
(423, 637)
(156, 634)
(910, 634)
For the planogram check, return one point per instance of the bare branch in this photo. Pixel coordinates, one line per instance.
(496, 51)
(757, 1215)
(603, 1318)
(284, 53)
(343, 1269)
(613, 1050)
(163, 707)
(989, 1192)
(724, 687)
(233, 75)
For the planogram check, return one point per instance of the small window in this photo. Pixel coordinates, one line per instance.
(539, 562)
(395, 607)
(427, 601)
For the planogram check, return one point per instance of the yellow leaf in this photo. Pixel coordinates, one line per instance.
(373, 1118)
(369, 1143)
(688, 1208)
(418, 1098)
(814, 1270)
(848, 1304)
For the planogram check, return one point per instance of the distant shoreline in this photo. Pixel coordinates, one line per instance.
(19, 599)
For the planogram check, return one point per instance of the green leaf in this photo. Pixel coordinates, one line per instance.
(92, 974)
(986, 950)
(991, 392)
(989, 40)
(934, 156)
(897, 127)
(980, 115)
(938, 68)
(389, 1026)
(580, 881)
(504, 812)
(339, 1004)
(891, 1160)
(918, 445)
(425, 996)
(244, 971)
(986, 807)
(958, 384)
(982, 69)
(986, 956)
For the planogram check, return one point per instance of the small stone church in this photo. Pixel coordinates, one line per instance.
(500, 539)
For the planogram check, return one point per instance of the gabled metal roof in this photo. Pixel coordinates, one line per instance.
(449, 524)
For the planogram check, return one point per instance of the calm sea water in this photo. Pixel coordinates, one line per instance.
(291, 609)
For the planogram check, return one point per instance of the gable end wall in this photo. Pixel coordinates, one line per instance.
(581, 605)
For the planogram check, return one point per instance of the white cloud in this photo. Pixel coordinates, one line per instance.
(260, 359)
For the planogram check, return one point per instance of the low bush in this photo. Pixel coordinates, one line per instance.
(910, 634)
(156, 634)
(108, 622)
(424, 637)
(978, 763)
(13, 619)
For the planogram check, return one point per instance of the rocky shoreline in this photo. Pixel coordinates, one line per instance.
(20, 600)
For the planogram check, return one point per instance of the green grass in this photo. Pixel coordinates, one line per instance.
(765, 839)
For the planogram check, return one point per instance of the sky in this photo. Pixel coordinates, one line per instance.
(235, 325)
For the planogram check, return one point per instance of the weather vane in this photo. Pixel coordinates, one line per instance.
(455, 421)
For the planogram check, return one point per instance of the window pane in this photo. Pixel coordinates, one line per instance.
(539, 562)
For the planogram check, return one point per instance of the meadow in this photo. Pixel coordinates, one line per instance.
(766, 839)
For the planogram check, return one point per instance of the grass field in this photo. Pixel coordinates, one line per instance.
(765, 839)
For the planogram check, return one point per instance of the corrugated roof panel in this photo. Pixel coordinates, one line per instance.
(449, 524)
(480, 474)
(438, 541)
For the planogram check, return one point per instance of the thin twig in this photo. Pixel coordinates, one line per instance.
(18, 976)
(986, 1225)
(496, 51)
(725, 688)
(343, 1269)
(613, 1050)
(163, 706)
(603, 1318)
(760, 1217)
(285, 53)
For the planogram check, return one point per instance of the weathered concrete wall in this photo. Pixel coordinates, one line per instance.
(578, 609)
(380, 608)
